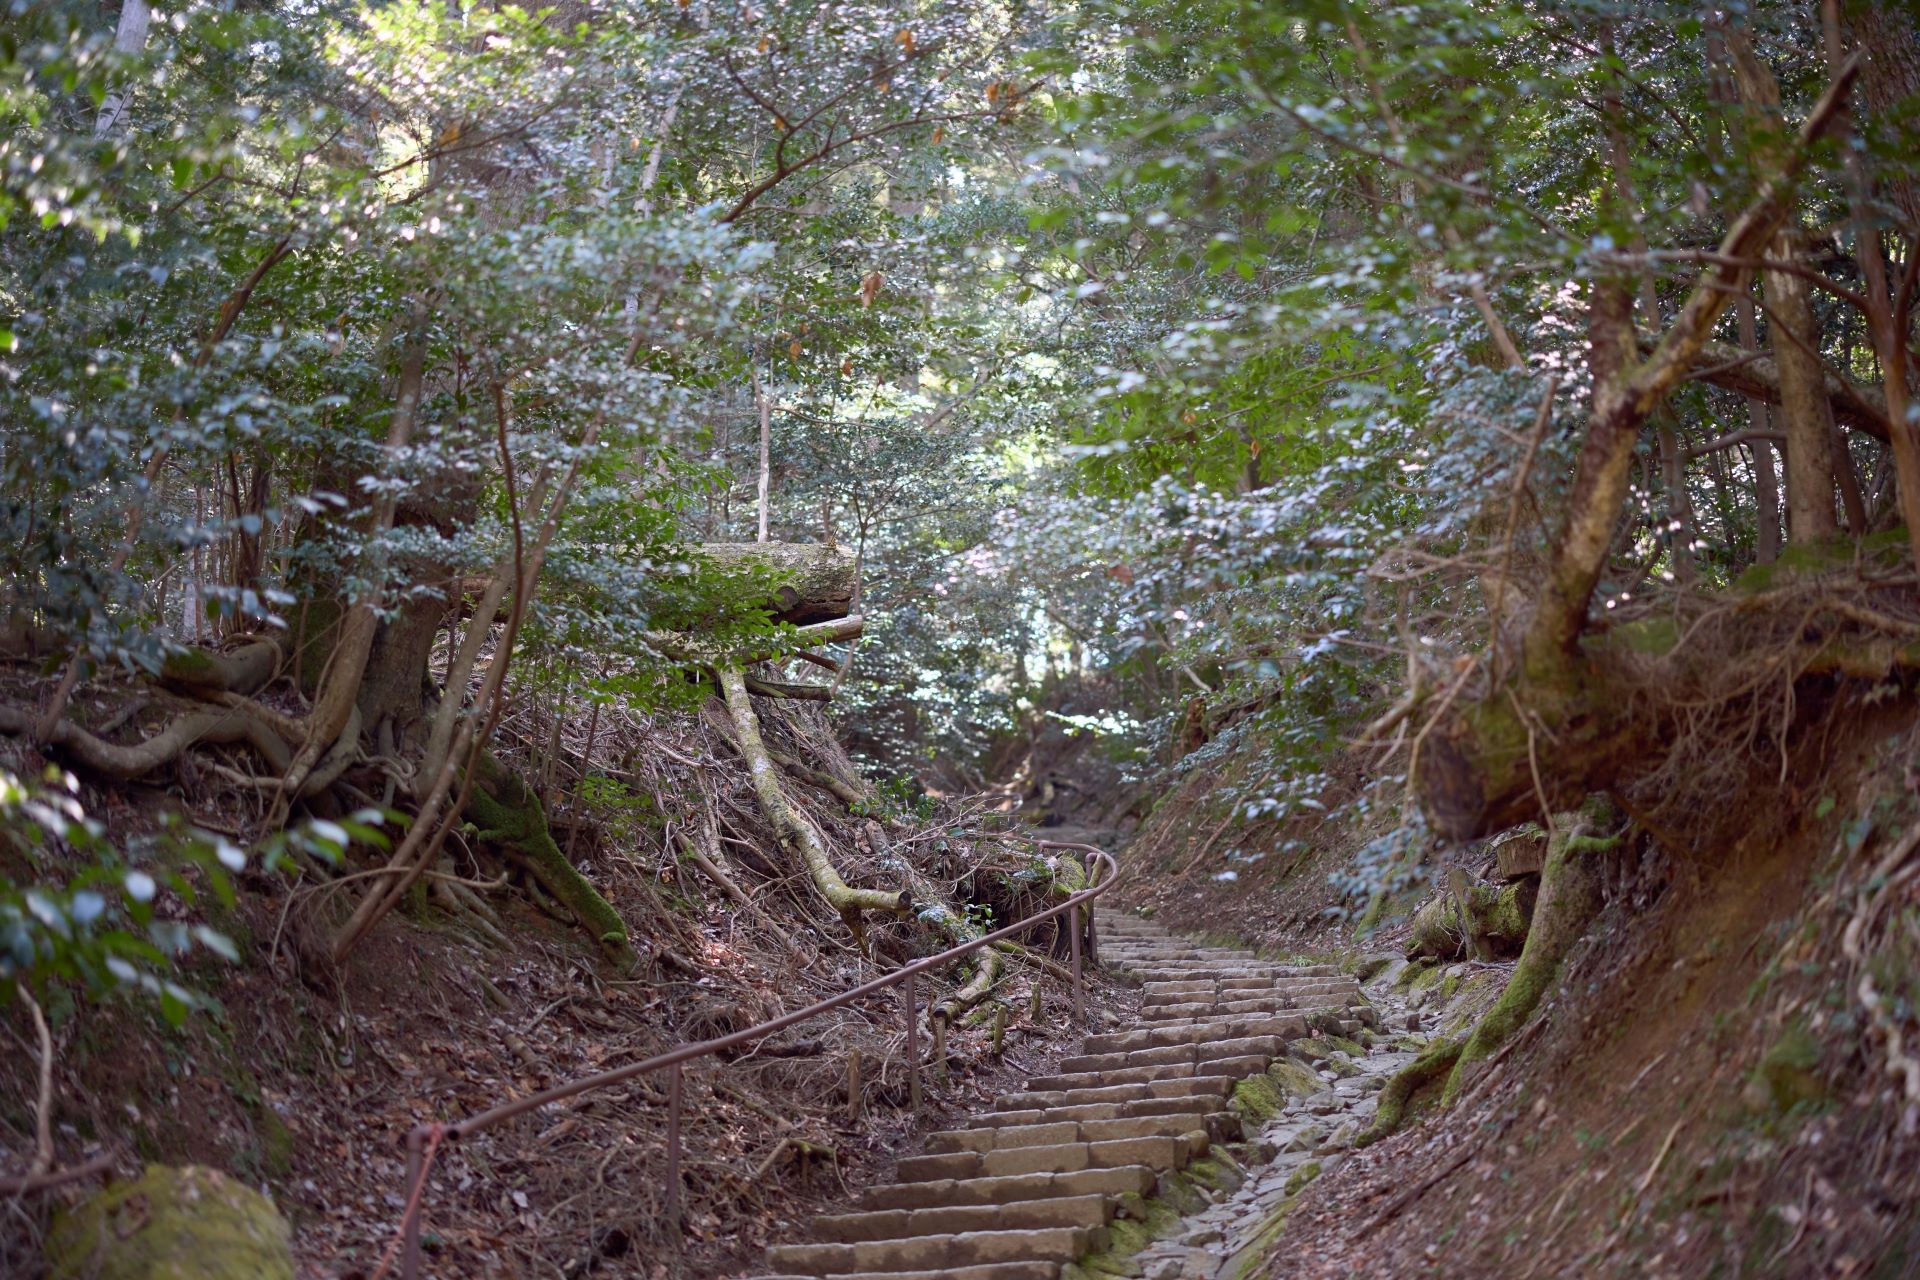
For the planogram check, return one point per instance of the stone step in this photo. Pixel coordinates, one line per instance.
(1233, 1068)
(1193, 1031)
(1185, 1051)
(1160, 1152)
(1013, 1189)
(898, 1224)
(1055, 1133)
(941, 1253)
(1207, 1086)
(1212, 1010)
(1197, 1108)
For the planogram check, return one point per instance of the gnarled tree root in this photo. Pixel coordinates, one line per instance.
(242, 670)
(1569, 900)
(795, 835)
(986, 975)
(508, 813)
(1434, 1064)
(223, 725)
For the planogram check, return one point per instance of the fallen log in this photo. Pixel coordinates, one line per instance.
(804, 581)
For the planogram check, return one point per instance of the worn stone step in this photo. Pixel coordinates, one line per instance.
(941, 1253)
(1198, 1050)
(1195, 1030)
(1160, 1152)
(1230, 1067)
(1196, 1109)
(898, 1224)
(1013, 1189)
(1209, 1010)
(1177, 1087)
(991, 1271)
(1005, 1137)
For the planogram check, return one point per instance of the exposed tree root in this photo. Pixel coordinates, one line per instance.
(1429, 1067)
(986, 975)
(796, 835)
(1569, 900)
(226, 725)
(820, 778)
(243, 670)
(509, 813)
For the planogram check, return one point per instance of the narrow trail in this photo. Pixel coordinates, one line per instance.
(1166, 1150)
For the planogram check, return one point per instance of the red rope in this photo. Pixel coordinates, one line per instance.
(434, 1135)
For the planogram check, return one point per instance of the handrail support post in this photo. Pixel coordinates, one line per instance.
(410, 1228)
(1073, 927)
(673, 1154)
(913, 1046)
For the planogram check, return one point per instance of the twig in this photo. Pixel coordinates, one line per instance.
(21, 1186)
(43, 1107)
(1399, 1203)
(1646, 1179)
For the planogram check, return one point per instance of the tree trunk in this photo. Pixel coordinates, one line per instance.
(1806, 416)
(1760, 420)
(129, 38)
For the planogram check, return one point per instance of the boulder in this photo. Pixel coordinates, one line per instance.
(188, 1223)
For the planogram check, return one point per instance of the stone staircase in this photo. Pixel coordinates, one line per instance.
(1031, 1185)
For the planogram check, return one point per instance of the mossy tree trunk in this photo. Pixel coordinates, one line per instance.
(1569, 900)
(508, 813)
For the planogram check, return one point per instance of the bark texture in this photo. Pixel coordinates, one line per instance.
(810, 582)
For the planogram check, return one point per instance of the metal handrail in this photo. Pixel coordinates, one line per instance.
(425, 1140)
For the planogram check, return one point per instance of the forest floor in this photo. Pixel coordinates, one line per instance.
(302, 1079)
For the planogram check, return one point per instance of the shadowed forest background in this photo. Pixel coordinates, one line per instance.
(535, 536)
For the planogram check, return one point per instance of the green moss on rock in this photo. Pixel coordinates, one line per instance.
(187, 1223)
(1302, 1176)
(1257, 1099)
(1789, 1071)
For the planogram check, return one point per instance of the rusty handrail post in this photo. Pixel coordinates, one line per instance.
(673, 1154)
(1073, 927)
(913, 1047)
(410, 1228)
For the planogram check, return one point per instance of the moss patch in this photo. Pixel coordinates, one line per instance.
(1788, 1071)
(1257, 1099)
(1302, 1176)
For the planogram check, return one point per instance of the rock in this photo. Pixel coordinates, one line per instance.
(189, 1223)
(1384, 965)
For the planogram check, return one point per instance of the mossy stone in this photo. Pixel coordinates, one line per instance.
(1302, 1176)
(189, 1223)
(1788, 1070)
(1257, 1099)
